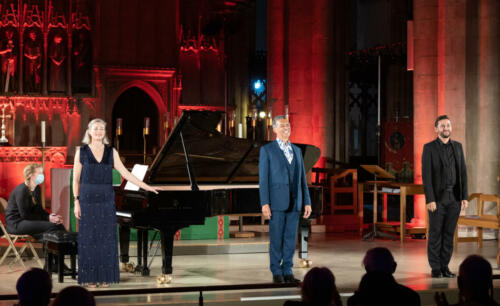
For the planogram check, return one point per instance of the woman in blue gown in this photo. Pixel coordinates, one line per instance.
(95, 206)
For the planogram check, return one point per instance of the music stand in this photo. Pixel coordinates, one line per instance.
(377, 172)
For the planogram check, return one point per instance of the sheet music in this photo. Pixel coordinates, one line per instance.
(390, 190)
(139, 171)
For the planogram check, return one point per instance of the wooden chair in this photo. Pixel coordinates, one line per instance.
(321, 177)
(12, 239)
(480, 220)
(345, 182)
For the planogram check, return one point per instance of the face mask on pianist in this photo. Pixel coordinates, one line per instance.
(39, 179)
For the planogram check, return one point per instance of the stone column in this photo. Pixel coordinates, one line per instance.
(321, 77)
(299, 58)
(301, 100)
(483, 124)
(451, 65)
(275, 56)
(425, 90)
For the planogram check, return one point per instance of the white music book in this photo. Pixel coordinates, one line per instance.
(140, 172)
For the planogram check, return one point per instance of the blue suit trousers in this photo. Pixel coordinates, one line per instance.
(283, 227)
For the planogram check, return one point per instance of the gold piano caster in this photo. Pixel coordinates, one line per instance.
(305, 263)
(164, 279)
(128, 267)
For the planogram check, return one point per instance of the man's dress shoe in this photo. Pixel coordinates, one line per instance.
(447, 273)
(291, 279)
(278, 279)
(436, 274)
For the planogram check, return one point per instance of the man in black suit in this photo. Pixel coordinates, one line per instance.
(445, 186)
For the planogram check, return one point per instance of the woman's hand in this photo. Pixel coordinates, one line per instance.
(57, 219)
(76, 210)
(150, 188)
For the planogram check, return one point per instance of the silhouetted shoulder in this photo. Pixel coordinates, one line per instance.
(295, 303)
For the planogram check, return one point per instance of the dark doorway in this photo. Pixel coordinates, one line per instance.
(132, 107)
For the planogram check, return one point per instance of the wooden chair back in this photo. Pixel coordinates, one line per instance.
(487, 198)
(3, 205)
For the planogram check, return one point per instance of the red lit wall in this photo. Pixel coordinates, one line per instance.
(298, 70)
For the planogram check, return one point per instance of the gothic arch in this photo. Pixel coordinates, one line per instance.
(151, 91)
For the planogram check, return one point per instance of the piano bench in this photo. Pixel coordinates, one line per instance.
(60, 243)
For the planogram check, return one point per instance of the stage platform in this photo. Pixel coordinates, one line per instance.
(245, 261)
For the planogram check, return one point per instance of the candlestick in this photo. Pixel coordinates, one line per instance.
(119, 122)
(43, 133)
(167, 119)
(144, 152)
(269, 126)
(43, 149)
(3, 139)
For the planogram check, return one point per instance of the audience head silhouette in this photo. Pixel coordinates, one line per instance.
(378, 286)
(318, 287)
(475, 279)
(75, 296)
(34, 288)
(379, 259)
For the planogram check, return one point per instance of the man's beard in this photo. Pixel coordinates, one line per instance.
(443, 135)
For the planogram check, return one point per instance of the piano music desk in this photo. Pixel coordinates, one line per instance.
(404, 190)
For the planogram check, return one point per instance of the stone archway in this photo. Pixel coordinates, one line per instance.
(132, 106)
(151, 91)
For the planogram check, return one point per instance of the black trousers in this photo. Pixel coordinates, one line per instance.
(34, 228)
(442, 224)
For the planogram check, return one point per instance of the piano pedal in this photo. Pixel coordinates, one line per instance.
(128, 267)
(305, 263)
(164, 279)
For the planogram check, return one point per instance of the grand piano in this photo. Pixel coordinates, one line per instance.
(200, 173)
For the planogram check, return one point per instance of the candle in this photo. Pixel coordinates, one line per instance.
(167, 118)
(146, 126)
(43, 132)
(240, 130)
(119, 122)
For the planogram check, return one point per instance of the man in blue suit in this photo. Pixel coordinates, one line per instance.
(283, 191)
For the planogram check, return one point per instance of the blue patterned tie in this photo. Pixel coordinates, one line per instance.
(287, 150)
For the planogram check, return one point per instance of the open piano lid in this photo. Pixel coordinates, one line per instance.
(214, 157)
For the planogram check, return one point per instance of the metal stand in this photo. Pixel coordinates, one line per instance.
(374, 233)
(145, 133)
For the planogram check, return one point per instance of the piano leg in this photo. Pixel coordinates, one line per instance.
(124, 243)
(167, 248)
(142, 252)
(145, 269)
(124, 234)
(304, 225)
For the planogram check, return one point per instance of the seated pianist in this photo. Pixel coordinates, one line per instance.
(24, 214)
